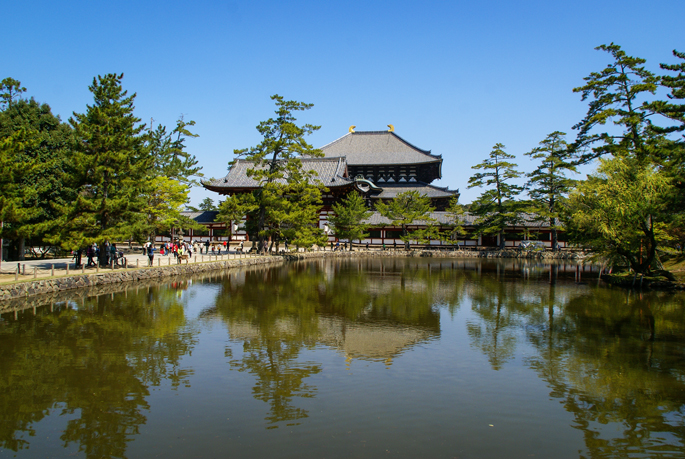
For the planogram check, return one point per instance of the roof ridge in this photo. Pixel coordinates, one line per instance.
(427, 152)
(331, 143)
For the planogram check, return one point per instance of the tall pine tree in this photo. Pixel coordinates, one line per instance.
(278, 167)
(113, 168)
(496, 208)
(548, 184)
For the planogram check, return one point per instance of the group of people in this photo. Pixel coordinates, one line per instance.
(105, 255)
(180, 249)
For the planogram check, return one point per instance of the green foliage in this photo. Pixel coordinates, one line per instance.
(208, 205)
(455, 228)
(288, 200)
(405, 209)
(113, 169)
(11, 91)
(170, 155)
(12, 173)
(348, 221)
(548, 184)
(496, 208)
(620, 211)
(42, 163)
(615, 95)
(165, 199)
(676, 85)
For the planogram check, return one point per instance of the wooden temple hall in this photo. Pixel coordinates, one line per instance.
(377, 164)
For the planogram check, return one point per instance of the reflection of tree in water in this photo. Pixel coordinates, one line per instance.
(499, 306)
(93, 362)
(278, 312)
(615, 363)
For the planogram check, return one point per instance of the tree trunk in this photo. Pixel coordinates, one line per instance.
(20, 249)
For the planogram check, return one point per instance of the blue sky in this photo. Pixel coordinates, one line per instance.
(452, 77)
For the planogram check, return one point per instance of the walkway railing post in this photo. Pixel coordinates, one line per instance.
(52, 270)
(67, 268)
(35, 272)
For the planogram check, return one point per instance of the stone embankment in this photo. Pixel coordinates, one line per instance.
(576, 256)
(26, 289)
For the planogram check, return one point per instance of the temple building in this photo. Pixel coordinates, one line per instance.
(379, 165)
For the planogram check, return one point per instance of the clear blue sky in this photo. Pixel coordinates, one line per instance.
(453, 77)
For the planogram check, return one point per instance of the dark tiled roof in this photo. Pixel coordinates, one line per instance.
(330, 172)
(377, 147)
(390, 190)
(203, 216)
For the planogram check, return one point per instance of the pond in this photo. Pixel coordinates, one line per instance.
(352, 358)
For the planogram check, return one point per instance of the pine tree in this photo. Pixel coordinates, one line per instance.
(43, 162)
(676, 85)
(455, 213)
(620, 211)
(113, 169)
(548, 185)
(348, 221)
(170, 155)
(496, 208)
(277, 166)
(405, 209)
(615, 95)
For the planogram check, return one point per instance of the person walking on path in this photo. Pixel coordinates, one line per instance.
(90, 253)
(151, 253)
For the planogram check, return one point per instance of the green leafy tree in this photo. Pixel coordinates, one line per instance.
(302, 201)
(13, 212)
(43, 165)
(348, 221)
(277, 166)
(620, 211)
(170, 155)
(113, 169)
(676, 85)
(234, 208)
(548, 184)
(207, 205)
(673, 157)
(455, 227)
(11, 92)
(615, 95)
(405, 209)
(496, 208)
(165, 199)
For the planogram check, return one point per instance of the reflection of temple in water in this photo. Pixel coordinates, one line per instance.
(355, 340)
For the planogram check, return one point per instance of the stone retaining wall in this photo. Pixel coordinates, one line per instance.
(576, 256)
(25, 289)
(39, 287)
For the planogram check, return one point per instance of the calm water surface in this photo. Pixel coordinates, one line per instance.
(360, 358)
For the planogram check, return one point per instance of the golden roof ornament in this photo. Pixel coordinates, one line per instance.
(352, 128)
(392, 128)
